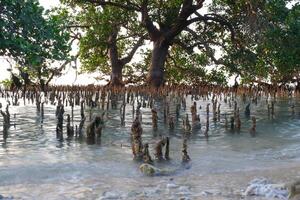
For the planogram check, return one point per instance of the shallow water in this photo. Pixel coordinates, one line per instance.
(36, 165)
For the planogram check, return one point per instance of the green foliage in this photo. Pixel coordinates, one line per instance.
(266, 45)
(184, 68)
(217, 77)
(164, 12)
(103, 26)
(282, 43)
(267, 37)
(6, 83)
(93, 45)
(33, 38)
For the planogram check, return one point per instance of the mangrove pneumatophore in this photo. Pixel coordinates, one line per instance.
(171, 123)
(70, 129)
(253, 128)
(194, 112)
(146, 155)
(186, 124)
(185, 157)
(247, 110)
(80, 102)
(159, 149)
(60, 120)
(94, 129)
(237, 120)
(136, 139)
(154, 118)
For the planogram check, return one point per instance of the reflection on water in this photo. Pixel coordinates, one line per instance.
(35, 165)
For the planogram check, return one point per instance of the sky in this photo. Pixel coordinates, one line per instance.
(49, 3)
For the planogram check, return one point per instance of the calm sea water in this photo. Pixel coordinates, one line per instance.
(34, 164)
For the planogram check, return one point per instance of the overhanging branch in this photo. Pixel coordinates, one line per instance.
(127, 6)
(215, 18)
(188, 8)
(128, 58)
(147, 23)
(56, 71)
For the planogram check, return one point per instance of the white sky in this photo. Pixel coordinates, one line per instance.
(49, 3)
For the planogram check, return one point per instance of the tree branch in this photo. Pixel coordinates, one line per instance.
(56, 71)
(205, 45)
(147, 23)
(187, 48)
(200, 40)
(174, 61)
(215, 18)
(128, 58)
(181, 22)
(210, 54)
(78, 26)
(129, 6)
(133, 35)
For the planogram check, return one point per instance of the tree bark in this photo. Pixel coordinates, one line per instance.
(298, 85)
(157, 66)
(116, 64)
(116, 74)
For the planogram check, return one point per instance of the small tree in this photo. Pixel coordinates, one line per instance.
(268, 35)
(34, 39)
(111, 37)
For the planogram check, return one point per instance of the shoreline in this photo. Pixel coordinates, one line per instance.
(221, 186)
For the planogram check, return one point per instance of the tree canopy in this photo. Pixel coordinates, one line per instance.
(268, 34)
(111, 38)
(191, 41)
(168, 23)
(33, 38)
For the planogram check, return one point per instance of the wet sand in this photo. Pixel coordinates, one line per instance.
(223, 186)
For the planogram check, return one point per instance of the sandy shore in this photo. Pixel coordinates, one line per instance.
(233, 184)
(222, 186)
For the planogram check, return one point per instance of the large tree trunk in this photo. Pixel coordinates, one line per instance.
(116, 74)
(116, 63)
(298, 85)
(157, 66)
